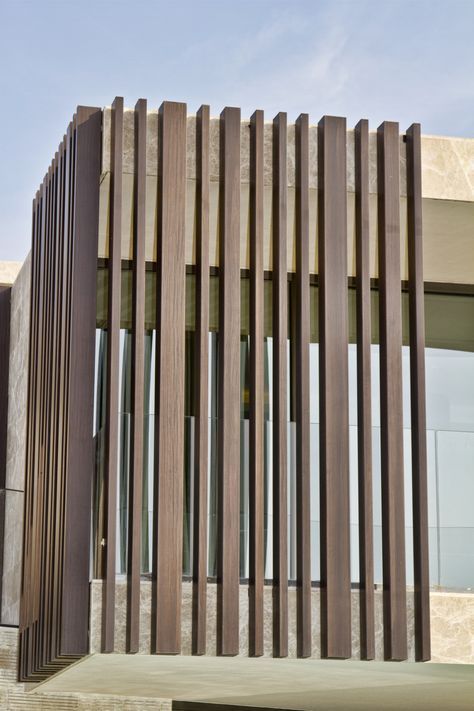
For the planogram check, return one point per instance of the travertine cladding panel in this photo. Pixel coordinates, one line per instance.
(9, 272)
(447, 163)
(145, 620)
(18, 377)
(448, 191)
(16, 444)
(12, 547)
(452, 627)
(152, 151)
(448, 168)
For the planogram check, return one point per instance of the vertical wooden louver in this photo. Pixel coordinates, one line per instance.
(169, 420)
(138, 382)
(303, 473)
(418, 396)
(113, 375)
(364, 395)
(201, 457)
(54, 609)
(333, 399)
(391, 395)
(295, 201)
(256, 443)
(229, 387)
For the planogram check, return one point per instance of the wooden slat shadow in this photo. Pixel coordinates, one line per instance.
(256, 424)
(138, 382)
(280, 396)
(201, 440)
(303, 471)
(364, 397)
(113, 375)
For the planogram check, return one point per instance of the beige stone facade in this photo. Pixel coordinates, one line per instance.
(448, 199)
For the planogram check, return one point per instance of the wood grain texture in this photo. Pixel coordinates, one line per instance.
(54, 609)
(364, 397)
(169, 379)
(256, 424)
(333, 390)
(280, 395)
(113, 375)
(303, 466)
(80, 446)
(391, 396)
(201, 437)
(138, 382)
(418, 396)
(229, 386)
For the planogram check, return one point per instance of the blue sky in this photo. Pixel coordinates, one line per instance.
(401, 60)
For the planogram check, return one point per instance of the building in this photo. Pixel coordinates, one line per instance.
(240, 412)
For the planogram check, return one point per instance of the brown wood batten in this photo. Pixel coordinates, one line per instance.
(169, 378)
(74, 638)
(364, 398)
(138, 382)
(229, 386)
(333, 390)
(54, 604)
(201, 437)
(113, 375)
(303, 466)
(418, 395)
(256, 423)
(391, 397)
(280, 395)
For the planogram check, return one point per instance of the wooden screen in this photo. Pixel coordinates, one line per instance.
(56, 564)
(54, 609)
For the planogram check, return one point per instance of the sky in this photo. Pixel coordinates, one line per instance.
(397, 60)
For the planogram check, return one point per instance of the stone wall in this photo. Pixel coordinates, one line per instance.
(452, 627)
(16, 445)
(145, 620)
(452, 622)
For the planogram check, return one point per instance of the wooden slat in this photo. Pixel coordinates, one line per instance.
(303, 472)
(50, 418)
(59, 402)
(170, 364)
(68, 225)
(113, 375)
(391, 397)
(256, 423)
(43, 517)
(80, 446)
(333, 390)
(364, 398)
(229, 386)
(280, 396)
(418, 396)
(201, 434)
(138, 380)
